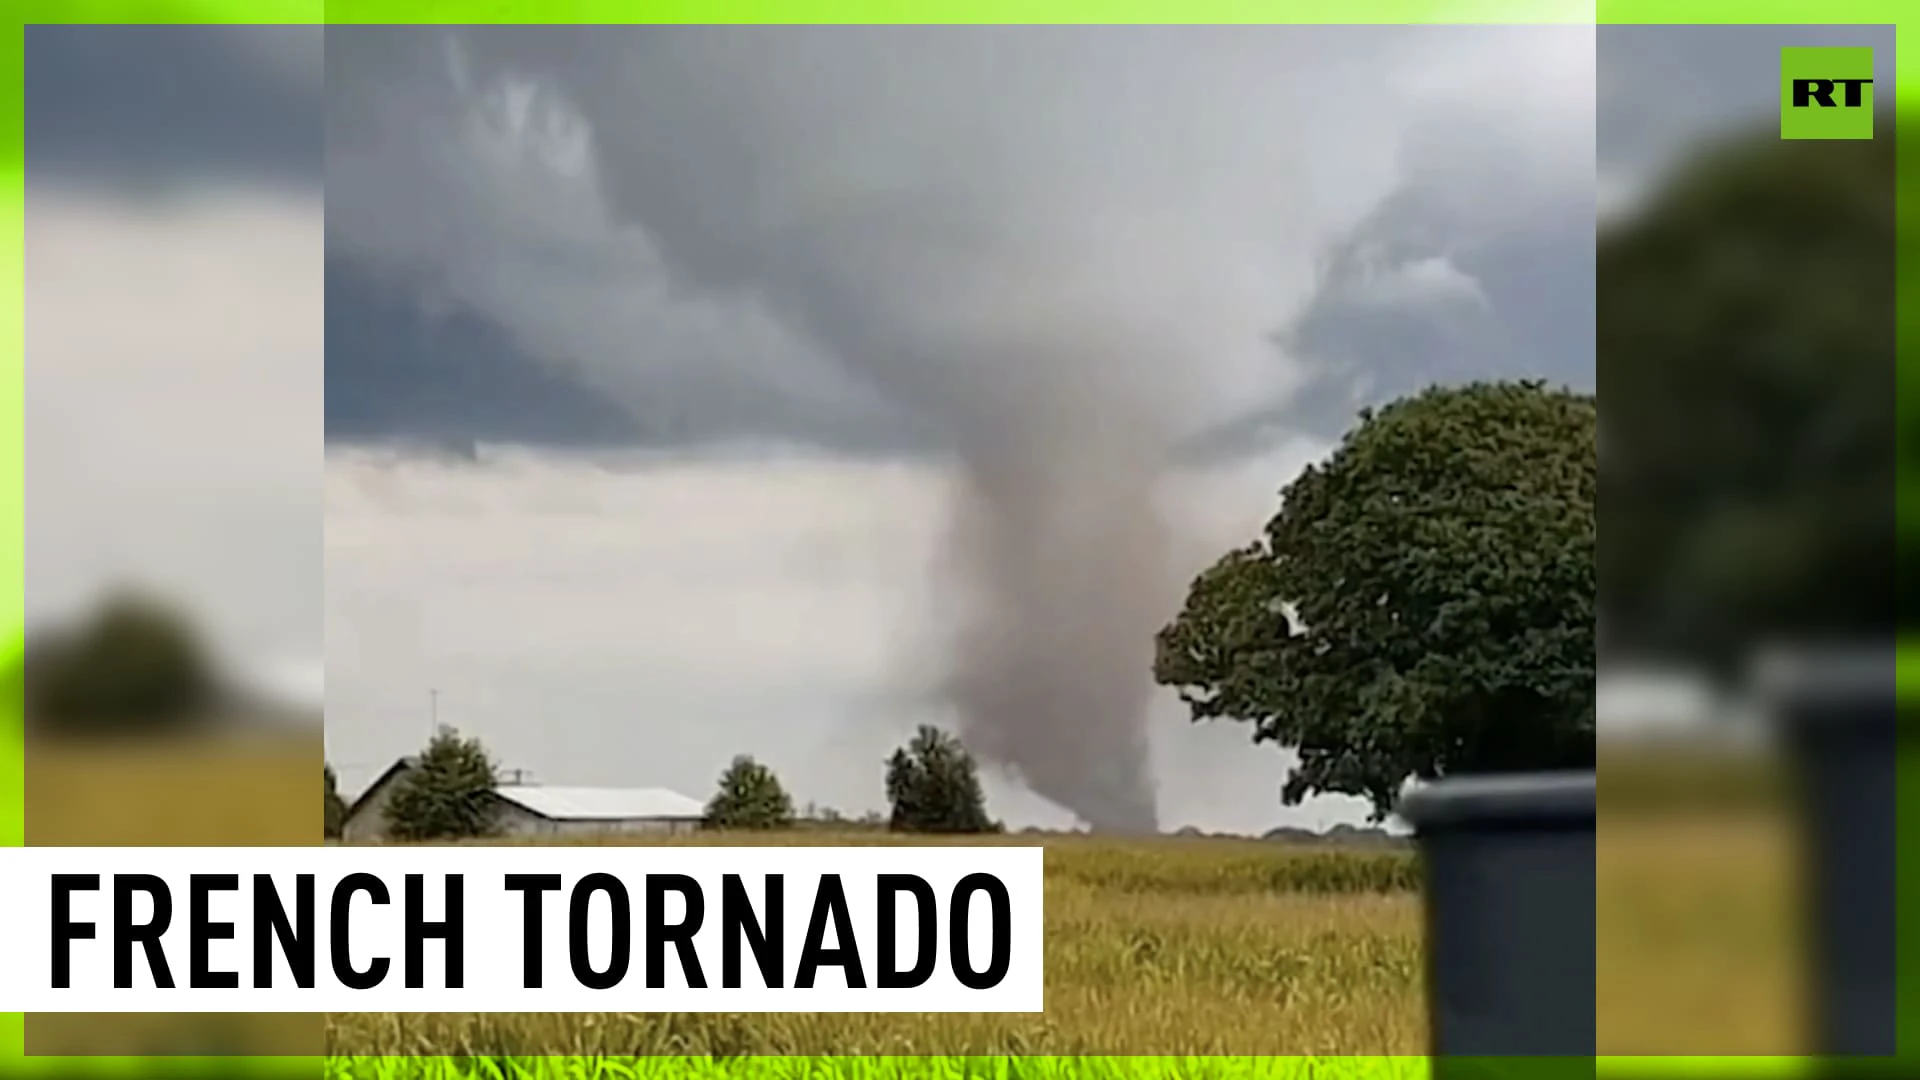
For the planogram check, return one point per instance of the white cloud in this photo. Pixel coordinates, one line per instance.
(1433, 281)
(174, 391)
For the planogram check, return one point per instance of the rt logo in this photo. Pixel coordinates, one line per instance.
(1826, 93)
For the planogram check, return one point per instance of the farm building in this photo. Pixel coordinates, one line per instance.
(540, 810)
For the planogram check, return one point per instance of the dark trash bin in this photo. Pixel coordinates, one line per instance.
(1508, 865)
(1837, 714)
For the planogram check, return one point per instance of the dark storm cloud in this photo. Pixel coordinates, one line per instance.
(145, 109)
(166, 105)
(150, 104)
(400, 370)
(390, 84)
(394, 101)
(397, 371)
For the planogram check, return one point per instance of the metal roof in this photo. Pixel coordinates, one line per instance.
(600, 804)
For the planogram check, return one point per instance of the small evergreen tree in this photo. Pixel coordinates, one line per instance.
(934, 787)
(334, 814)
(750, 797)
(447, 794)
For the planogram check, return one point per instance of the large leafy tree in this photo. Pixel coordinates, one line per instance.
(750, 797)
(1746, 332)
(1421, 605)
(448, 792)
(934, 787)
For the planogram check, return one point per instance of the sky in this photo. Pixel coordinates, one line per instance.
(658, 362)
(174, 391)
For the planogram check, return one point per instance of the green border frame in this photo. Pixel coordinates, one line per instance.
(12, 494)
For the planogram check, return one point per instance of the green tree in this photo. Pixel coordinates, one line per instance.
(934, 787)
(1746, 328)
(334, 814)
(135, 665)
(1421, 605)
(447, 794)
(750, 797)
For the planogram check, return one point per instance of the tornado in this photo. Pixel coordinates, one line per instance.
(1052, 250)
(941, 254)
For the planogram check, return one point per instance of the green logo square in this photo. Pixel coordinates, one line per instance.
(1826, 93)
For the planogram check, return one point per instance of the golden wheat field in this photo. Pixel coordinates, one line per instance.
(1181, 945)
(1175, 945)
(1196, 946)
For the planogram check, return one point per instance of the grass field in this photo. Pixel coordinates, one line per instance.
(1197, 946)
(1175, 946)
(914, 1068)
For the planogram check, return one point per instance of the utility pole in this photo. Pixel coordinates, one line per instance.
(433, 714)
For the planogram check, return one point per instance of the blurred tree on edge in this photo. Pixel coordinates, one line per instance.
(135, 666)
(1746, 336)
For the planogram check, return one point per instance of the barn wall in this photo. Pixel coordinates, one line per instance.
(517, 821)
(623, 826)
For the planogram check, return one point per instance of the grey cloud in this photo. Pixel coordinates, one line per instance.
(883, 188)
(982, 126)
(1666, 89)
(159, 105)
(397, 370)
(1533, 317)
(426, 186)
(1663, 91)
